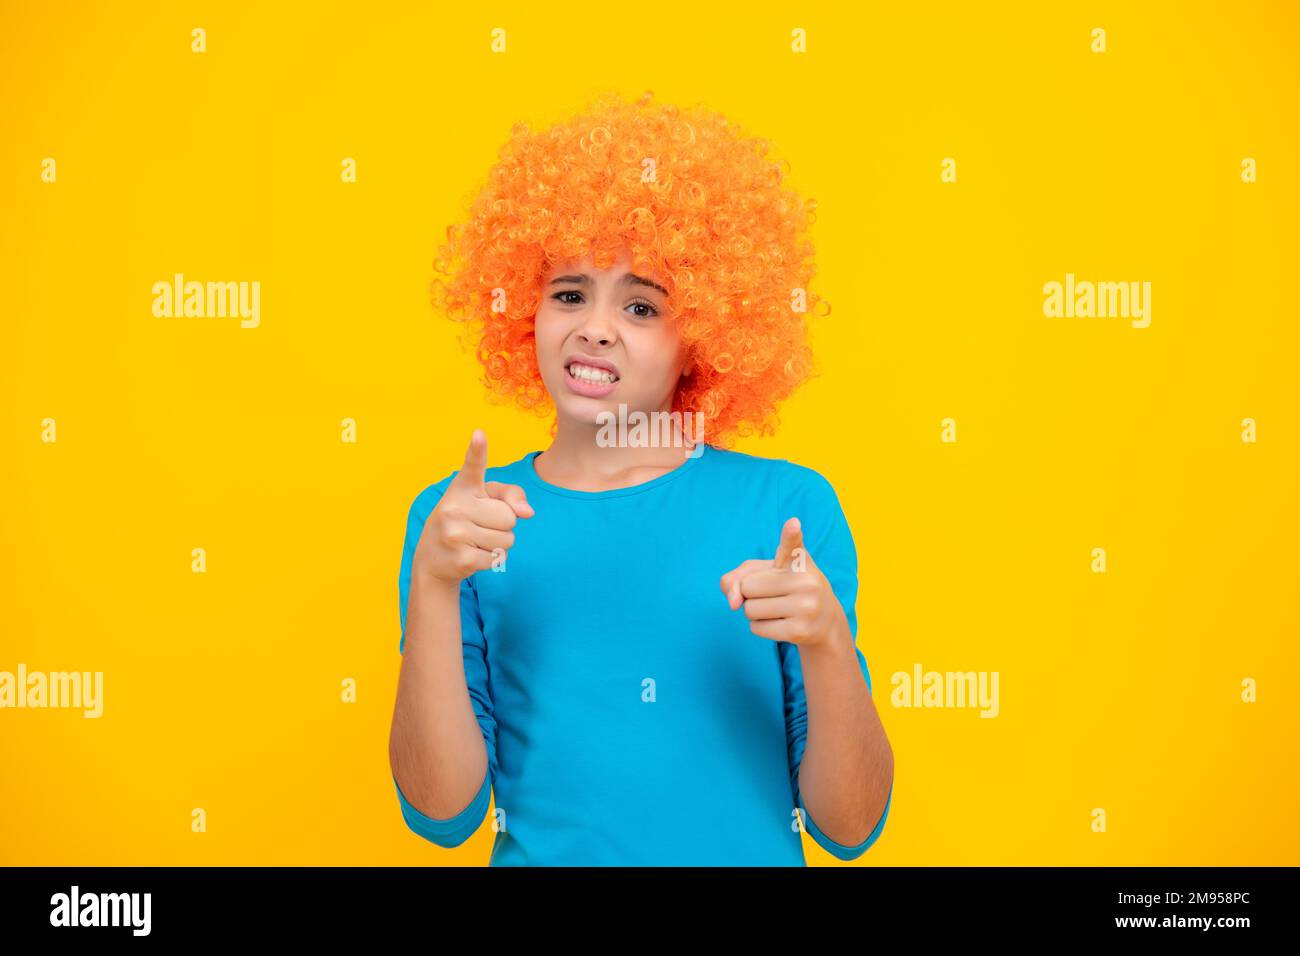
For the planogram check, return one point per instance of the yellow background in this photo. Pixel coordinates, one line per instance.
(222, 690)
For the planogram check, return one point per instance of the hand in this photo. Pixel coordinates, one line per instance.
(470, 529)
(786, 598)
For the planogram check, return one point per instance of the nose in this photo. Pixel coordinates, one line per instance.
(597, 329)
(599, 340)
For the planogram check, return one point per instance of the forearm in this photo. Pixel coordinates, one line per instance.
(848, 765)
(435, 746)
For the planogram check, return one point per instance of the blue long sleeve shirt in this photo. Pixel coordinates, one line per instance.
(630, 717)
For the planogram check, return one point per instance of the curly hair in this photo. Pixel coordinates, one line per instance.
(693, 200)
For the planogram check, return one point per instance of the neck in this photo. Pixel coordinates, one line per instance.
(577, 460)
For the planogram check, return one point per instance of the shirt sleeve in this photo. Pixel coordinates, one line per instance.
(808, 496)
(455, 830)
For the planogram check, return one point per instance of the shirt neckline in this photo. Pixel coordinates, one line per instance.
(530, 473)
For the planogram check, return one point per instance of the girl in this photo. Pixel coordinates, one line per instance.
(640, 642)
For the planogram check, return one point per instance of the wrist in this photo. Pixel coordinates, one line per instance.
(427, 587)
(431, 607)
(836, 647)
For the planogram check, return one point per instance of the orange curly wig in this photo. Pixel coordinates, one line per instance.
(694, 201)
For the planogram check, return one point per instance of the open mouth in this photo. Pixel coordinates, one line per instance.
(590, 374)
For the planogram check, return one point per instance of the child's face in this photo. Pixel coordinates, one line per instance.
(620, 323)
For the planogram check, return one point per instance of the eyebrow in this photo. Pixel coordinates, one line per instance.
(584, 279)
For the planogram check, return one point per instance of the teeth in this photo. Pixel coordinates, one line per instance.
(594, 376)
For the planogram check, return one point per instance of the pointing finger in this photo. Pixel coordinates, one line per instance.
(474, 472)
(791, 546)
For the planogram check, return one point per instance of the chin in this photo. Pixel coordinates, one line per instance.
(587, 411)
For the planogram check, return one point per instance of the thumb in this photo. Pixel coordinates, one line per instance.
(791, 546)
(730, 582)
(730, 585)
(512, 495)
(473, 473)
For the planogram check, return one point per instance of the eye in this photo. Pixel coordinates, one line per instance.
(642, 303)
(558, 295)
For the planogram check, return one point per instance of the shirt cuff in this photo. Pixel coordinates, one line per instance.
(839, 849)
(452, 831)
